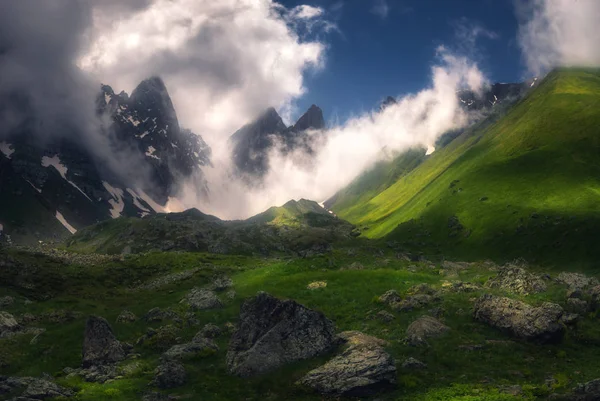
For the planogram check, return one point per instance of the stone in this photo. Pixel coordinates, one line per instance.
(202, 299)
(316, 284)
(198, 347)
(517, 280)
(100, 346)
(169, 374)
(230, 295)
(413, 302)
(390, 297)
(221, 283)
(425, 289)
(423, 328)
(34, 388)
(544, 323)
(385, 316)
(158, 315)
(413, 364)
(460, 286)
(126, 317)
(577, 281)
(363, 368)
(589, 391)
(159, 339)
(577, 305)
(6, 301)
(8, 324)
(210, 331)
(273, 332)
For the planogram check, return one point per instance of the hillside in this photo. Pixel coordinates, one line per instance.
(524, 185)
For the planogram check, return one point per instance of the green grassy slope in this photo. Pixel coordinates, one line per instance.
(525, 185)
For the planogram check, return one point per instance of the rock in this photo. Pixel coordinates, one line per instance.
(413, 364)
(577, 305)
(316, 284)
(95, 374)
(425, 289)
(544, 323)
(577, 281)
(35, 389)
(413, 302)
(230, 294)
(6, 301)
(589, 391)
(210, 331)
(169, 374)
(363, 368)
(100, 346)
(595, 295)
(390, 297)
(272, 333)
(221, 283)
(202, 299)
(574, 293)
(158, 315)
(517, 280)
(8, 324)
(515, 390)
(460, 286)
(354, 266)
(199, 347)
(423, 328)
(126, 317)
(160, 339)
(385, 316)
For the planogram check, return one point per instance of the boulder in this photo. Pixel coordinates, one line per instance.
(517, 280)
(589, 391)
(385, 316)
(169, 374)
(423, 328)
(363, 368)
(100, 346)
(34, 388)
(545, 323)
(126, 317)
(272, 332)
(577, 281)
(577, 305)
(8, 324)
(209, 331)
(221, 283)
(158, 315)
(424, 288)
(6, 301)
(202, 299)
(198, 347)
(413, 364)
(413, 302)
(390, 297)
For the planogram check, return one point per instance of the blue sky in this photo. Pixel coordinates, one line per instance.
(387, 48)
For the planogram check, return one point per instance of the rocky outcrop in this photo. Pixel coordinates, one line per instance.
(272, 332)
(517, 280)
(363, 368)
(589, 391)
(100, 346)
(423, 328)
(413, 364)
(126, 317)
(32, 388)
(545, 323)
(169, 374)
(390, 297)
(198, 347)
(158, 315)
(577, 281)
(202, 299)
(8, 324)
(209, 331)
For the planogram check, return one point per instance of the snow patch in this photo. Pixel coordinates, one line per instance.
(174, 146)
(107, 98)
(150, 152)
(533, 83)
(143, 135)
(6, 149)
(62, 170)
(136, 200)
(117, 202)
(146, 198)
(133, 121)
(65, 223)
(34, 187)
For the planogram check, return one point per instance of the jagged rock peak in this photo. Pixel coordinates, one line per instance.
(312, 119)
(388, 101)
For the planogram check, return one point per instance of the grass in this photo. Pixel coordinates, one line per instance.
(349, 299)
(540, 159)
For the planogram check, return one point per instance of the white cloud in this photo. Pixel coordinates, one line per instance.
(380, 8)
(559, 33)
(223, 61)
(416, 120)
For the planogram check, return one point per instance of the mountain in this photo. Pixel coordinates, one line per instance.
(521, 184)
(58, 184)
(252, 143)
(494, 95)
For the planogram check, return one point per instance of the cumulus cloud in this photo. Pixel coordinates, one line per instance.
(559, 33)
(417, 120)
(223, 62)
(380, 8)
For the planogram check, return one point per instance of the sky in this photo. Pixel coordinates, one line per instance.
(225, 62)
(386, 47)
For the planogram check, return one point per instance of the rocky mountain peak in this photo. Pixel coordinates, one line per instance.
(312, 119)
(388, 101)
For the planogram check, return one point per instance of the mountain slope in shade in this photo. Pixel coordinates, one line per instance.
(522, 184)
(252, 143)
(133, 171)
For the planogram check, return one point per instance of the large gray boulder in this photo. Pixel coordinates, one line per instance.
(517, 280)
(423, 328)
(8, 324)
(198, 347)
(576, 281)
(202, 299)
(169, 374)
(545, 323)
(100, 346)
(272, 333)
(33, 388)
(363, 368)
